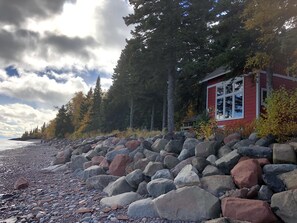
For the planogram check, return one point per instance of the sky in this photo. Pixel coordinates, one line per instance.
(50, 49)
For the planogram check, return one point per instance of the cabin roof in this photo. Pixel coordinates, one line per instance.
(216, 73)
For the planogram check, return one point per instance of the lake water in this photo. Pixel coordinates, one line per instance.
(6, 144)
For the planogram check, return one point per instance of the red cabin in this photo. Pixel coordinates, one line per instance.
(239, 98)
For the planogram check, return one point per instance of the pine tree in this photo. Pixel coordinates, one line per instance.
(63, 123)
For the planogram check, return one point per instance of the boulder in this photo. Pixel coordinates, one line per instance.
(118, 165)
(243, 143)
(170, 161)
(279, 168)
(112, 154)
(204, 149)
(151, 168)
(21, 183)
(96, 160)
(87, 165)
(142, 188)
(181, 165)
(285, 205)
(212, 159)
(141, 164)
(232, 137)
(174, 146)
(165, 173)
(190, 144)
(104, 163)
(77, 162)
(289, 179)
(184, 154)
(247, 173)
(151, 155)
(217, 184)
(118, 187)
(187, 177)
(132, 144)
(210, 170)
(265, 141)
(256, 152)
(62, 157)
(100, 182)
(135, 178)
(283, 153)
(89, 155)
(159, 145)
(227, 162)
(199, 163)
(80, 149)
(265, 193)
(160, 186)
(247, 210)
(93, 171)
(225, 220)
(188, 204)
(273, 182)
(224, 150)
(120, 199)
(142, 208)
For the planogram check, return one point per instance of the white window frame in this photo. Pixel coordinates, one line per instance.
(224, 95)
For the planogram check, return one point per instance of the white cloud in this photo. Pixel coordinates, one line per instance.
(15, 119)
(42, 90)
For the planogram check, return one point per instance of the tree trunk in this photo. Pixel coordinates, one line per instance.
(164, 114)
(269, 84)
(170, 100)
(152, 118)
(131, 113)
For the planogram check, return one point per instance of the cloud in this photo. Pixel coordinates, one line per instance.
(16, 12)
(41, 90)
(15, 119)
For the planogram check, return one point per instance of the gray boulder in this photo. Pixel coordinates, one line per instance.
(63, 156)
(217, 184)
(165, 173)
(285, 205)
(142, 188)
(184, 154)
(210, 170)
(278, 168)
(256, 152)
(151, 155)
(170, 161)
(152, 167)
(227, 162)
(181, 165)
(243, 143)
(159, 145)
(142, 208)
(135, 178)
(174, 146)
(188, 204)
(100, 182)
(120, 199)
(187, 177)
(265, 193)
(199, 163)
(224, 150)
(265, 141)
(289, 179)
(283, 153)
(212, 159)
(158, 187)
(93, 171)
(190, 144)
(118, 187)
(205, 149)
(92, 153)
(77, 162)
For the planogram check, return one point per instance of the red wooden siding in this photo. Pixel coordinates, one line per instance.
(278, 82)
(211, 100)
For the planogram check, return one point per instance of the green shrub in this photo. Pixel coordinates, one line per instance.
(280, 116)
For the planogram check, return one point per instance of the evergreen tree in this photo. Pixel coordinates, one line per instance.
(63, 123)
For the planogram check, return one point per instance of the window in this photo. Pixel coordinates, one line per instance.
(229, 99)
(263, 96)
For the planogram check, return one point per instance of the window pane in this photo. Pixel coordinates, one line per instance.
(220, 90)
(220, 107)
(238, 110)
(238, 86)
(229, 88)
(228, 107)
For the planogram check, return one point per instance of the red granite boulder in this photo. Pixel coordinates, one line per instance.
(119, 164)
(247, 173)
(255, 211)
(132, 144)
(96, 160)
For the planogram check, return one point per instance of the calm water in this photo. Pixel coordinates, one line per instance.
(11, 144)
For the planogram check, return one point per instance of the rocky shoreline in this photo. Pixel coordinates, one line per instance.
(161, 179)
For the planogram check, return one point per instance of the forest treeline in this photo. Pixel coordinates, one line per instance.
(174, 44)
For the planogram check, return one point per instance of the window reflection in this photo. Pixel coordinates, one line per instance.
(238, 105)
(228, 107)
(238, 86)
(220, 108)
(220, 90)
(229, 88)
